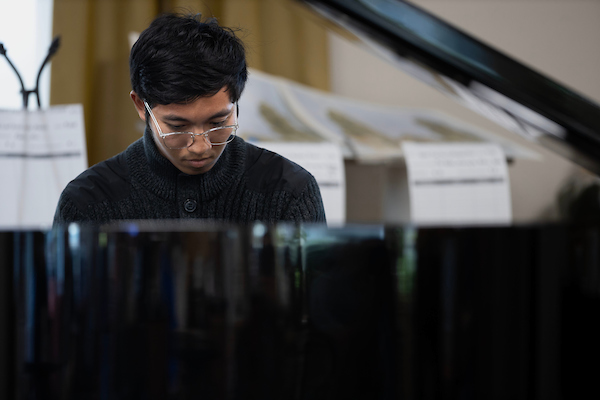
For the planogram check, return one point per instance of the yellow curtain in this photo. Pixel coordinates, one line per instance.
(92, 68)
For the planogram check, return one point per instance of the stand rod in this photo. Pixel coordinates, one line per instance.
(25, 93)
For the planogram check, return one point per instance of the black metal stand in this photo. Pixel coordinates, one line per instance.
(51, 51)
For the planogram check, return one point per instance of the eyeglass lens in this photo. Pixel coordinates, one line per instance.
(185, 139)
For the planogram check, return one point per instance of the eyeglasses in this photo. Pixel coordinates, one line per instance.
(182, 140)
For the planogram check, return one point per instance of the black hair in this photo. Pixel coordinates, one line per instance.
(180, 58)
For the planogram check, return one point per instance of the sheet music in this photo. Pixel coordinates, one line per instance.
(40, 152)
(280, 110)
(458, 183)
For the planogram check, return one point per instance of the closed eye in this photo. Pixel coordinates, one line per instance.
(218, 123)
(176, 127)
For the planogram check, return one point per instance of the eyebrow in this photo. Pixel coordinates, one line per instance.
(177, 118)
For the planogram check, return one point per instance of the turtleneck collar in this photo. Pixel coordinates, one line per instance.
(158, 175)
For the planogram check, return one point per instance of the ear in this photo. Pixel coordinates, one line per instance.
(139, 105)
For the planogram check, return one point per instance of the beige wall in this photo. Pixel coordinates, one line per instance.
(557, 37)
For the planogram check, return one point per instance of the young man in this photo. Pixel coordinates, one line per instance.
(187, 77)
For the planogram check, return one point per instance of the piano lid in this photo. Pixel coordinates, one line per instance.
(479, 76)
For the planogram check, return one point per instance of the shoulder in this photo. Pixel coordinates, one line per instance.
(105, 181)
(269, 171)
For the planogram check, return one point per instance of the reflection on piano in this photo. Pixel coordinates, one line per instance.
(136, 311)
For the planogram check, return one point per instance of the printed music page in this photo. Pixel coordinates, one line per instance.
(40, 152)
(458, 183)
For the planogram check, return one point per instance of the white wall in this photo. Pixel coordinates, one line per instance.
(26, 32)
(556, 37)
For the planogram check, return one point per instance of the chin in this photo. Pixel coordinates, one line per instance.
(196, 171)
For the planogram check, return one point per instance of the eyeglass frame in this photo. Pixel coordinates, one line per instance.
(162, 135)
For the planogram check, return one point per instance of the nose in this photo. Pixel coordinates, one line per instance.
(201, 144)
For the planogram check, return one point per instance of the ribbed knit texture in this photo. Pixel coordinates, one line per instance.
(246, 184)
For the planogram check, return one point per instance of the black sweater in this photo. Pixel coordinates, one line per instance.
(246, 184)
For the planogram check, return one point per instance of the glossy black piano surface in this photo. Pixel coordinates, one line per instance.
(142, 311)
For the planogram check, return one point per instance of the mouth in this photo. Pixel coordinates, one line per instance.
(198, 163)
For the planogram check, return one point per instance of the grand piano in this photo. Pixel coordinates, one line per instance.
(172, 310)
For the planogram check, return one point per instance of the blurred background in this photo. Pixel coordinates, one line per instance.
(556, 37)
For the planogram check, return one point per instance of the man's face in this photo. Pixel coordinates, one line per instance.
(198, 116)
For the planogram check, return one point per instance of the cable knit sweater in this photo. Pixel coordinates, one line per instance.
(246, 184)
